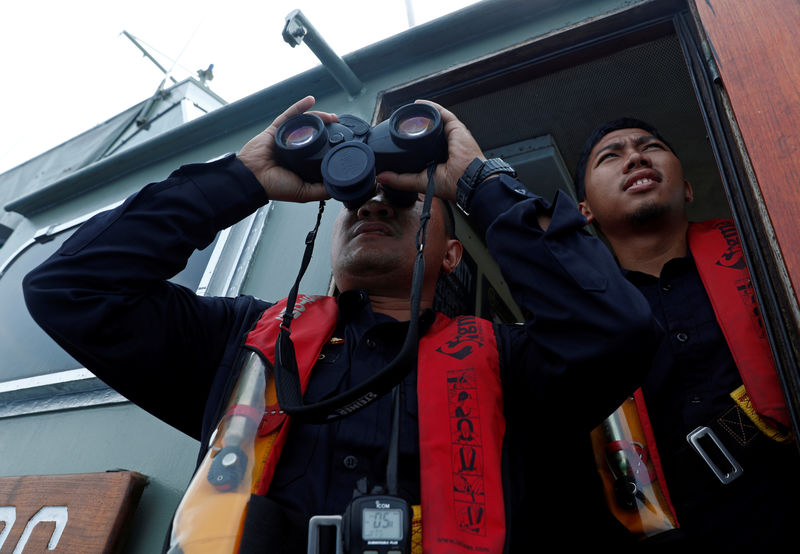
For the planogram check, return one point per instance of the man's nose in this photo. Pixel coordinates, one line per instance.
(377, 206)
(636, 159)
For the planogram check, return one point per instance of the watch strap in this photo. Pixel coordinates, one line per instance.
(477, 172)
(467, 183)
(493, 166)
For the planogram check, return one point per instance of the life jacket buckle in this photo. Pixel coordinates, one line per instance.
(713, 458)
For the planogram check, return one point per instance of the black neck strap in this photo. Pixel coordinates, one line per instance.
(287, 376)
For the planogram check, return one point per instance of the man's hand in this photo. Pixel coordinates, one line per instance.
(461, 150)
(259, 157)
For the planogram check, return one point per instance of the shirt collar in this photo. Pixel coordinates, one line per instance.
(355, 304)
(675, 264)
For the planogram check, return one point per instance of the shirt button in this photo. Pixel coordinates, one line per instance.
(682, 337)
(666, 287)
(350, 462)
(371, 344)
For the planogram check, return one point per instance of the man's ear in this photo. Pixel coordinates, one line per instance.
(688, 192)
(586, 211)
(452, 255)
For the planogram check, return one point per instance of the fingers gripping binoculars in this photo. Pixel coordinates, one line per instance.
(346, 156)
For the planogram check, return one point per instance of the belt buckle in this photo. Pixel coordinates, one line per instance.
(725, 477)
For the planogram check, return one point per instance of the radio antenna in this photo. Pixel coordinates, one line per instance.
(147, 55)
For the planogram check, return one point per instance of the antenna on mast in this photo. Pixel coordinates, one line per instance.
(147, 55)
(143, 119)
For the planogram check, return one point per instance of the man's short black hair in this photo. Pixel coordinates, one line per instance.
(599, 133)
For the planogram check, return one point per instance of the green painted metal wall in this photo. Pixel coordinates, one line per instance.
(102, 439)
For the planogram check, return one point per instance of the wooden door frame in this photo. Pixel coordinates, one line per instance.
(755, 132)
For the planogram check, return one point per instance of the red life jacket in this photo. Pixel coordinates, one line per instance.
(720, 262)
(461, 422)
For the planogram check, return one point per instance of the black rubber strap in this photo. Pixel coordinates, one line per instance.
(287, 378)
(394, 444)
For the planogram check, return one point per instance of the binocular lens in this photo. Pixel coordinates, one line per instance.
(297, 138)
(416, 126)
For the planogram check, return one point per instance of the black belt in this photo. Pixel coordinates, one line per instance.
(753, 489)
(716, 443)
(721, 451)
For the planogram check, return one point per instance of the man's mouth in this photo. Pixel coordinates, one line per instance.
(640, 183)
(373, 228)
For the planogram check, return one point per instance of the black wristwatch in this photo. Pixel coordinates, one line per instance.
(476, 173)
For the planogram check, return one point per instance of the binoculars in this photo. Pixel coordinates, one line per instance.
(346, 156)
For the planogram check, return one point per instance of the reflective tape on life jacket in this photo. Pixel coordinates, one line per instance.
(720, 262)
(460, 420)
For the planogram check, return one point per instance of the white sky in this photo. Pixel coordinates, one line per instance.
(66, 66)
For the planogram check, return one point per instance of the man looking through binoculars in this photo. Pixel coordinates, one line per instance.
(155, 341)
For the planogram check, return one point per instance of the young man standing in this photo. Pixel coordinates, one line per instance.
(714, 362)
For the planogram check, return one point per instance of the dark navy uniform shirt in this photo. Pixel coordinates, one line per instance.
(693, 371)
(321, 465)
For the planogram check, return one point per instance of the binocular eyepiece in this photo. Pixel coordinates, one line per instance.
(346, 156)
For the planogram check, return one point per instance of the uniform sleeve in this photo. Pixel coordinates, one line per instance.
(104, 295)
(589, 334)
